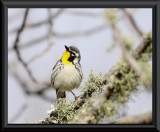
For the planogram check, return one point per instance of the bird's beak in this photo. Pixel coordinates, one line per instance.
(66, 48)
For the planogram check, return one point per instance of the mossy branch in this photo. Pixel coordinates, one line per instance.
(101, 96)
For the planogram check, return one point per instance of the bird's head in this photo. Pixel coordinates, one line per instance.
(71, 55)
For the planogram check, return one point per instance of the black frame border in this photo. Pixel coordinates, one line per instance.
(154, 4)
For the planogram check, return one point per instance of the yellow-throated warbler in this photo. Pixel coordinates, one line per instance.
(67, 73)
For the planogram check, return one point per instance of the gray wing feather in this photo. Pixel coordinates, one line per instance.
(79, 68)
(58, 66)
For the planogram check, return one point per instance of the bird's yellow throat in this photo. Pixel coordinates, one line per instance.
(65, 58)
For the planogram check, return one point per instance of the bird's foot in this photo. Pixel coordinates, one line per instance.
(75, 97)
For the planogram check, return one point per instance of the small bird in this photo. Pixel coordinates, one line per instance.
(67, 72)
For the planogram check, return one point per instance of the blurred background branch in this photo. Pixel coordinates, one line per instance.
(36, 82)
(132, 22)
(104, 97)
(50, 34)
(144, 118)
(16, 46)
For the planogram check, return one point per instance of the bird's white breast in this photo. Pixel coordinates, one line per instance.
(68, 78)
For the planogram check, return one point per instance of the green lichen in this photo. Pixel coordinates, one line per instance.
(111, 47)
(147, 77)
(93, 83)
(144, 57)
(147, 52)
(123, 81)
(111, 15)
(63, 112)
(128, 41)
(107, 108)
(93, 112)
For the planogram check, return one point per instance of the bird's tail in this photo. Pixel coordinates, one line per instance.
(60, 94)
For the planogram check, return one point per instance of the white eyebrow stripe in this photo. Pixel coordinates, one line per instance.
(73, 52)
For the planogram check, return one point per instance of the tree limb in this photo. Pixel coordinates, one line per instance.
(144, 118)
(34, 25)
(106, 92)
(50, 43)
(16, 48)
(133, 63)
(132, 22)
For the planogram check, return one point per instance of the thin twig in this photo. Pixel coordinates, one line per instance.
(82, 13)
(19, 33)
(84, 33)
(16, 48)
(132, 22)
(24, 84)
(50, 43)
(66, 35)
(34, 25)
(91, 31)
(138, 50)
(13, 17)
(127, 56)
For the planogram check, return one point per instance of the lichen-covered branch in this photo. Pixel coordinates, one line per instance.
(127, 56)
(100, 95)
(99, 99)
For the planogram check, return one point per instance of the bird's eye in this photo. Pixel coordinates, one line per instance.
(72, 54)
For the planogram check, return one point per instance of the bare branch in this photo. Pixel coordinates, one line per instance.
(65, 35)
(138, 50)
(144, 118)
(132, 22)
(24, 85)
(19, 33)
(127, 56)
(34, 25)
(50, 34)
(80, 13)
(13, 17)
(31, 43)
(82, 33)
(16, 48)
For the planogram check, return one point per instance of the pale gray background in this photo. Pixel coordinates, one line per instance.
(93, 52)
